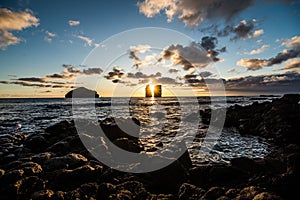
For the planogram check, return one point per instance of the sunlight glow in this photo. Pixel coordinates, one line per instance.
(152, 89)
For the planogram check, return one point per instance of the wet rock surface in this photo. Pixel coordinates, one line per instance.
(55, 164)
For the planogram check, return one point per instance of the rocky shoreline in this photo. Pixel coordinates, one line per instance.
(56, 165)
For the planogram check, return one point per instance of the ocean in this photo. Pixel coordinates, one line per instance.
(161, 121)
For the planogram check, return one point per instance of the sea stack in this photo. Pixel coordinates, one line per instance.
(82, 92)
(157, 91)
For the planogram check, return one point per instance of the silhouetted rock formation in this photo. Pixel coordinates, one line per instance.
(157, 91)
(82, 92)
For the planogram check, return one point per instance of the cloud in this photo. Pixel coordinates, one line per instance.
(62, 76)
(252, 64)
(189, 57)
(134, 50)
(115, 75)
(257, 33)
(74, 22)
(38, 82)
(140, 75)
(88, 41)
(7, 39)
(166, 81)
(4, 82)
(33, 79)
(293, 42)
(279, 83)
(70, 72)
(14, 21)
(284, 56)
(209, 44)
(245, 29)
(49, 36)
(70, 69)
(292, 64)
(205, 74)
(233, 70)
(91, 71)
(258, 51)
(56, 80)
(173, 71)
(193, 12)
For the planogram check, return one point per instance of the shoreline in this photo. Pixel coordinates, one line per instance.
(56, 165)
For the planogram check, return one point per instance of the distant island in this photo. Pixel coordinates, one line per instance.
(82, 92)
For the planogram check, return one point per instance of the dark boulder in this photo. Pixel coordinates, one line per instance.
(69, 161)
(189, 191)
(277, 120)
(71, 179)
(213, 193)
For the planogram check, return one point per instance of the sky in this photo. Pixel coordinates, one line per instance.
(190, 47)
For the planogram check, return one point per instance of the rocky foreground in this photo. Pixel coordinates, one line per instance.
(56, 165)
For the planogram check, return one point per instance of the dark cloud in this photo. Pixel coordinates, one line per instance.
(4, 82)
(115, 75)
(194, 12)
(205, 74)
(244, 30)
(30, 84)
(200, 80)
(33, 79)
(209, 44)
(91, 71)
(274, 83)
(166, 81)
(56, 76)
(173, 70)
(284, 56)
(71, 72)
(70, 69)
(140, 75)
(50, 80)
(280, 83)
(190, 57)
(132, 55)
(292, 64)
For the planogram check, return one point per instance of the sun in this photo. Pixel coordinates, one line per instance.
(152, 89)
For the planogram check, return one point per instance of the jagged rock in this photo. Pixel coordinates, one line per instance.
(189, 191)
(36, 143)
(248, 193)
(231, 193)
(266, 196)
(213, 193)
(128, 189)
(70, 179)
(69, 161)
(42, 194)
(128, 145)
(27, 186)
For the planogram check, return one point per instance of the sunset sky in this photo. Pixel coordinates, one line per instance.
(49, 47)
